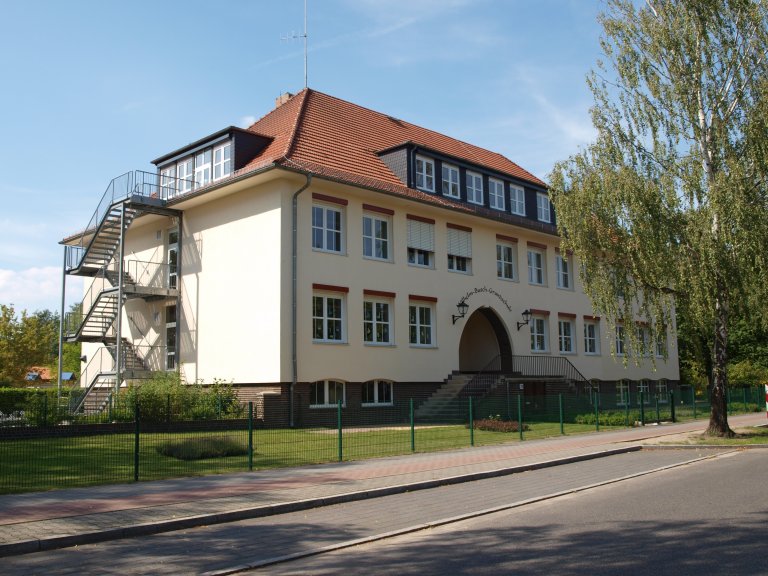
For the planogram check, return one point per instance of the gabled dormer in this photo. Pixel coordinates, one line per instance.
(208, 160)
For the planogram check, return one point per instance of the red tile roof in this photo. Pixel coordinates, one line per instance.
(342, 141)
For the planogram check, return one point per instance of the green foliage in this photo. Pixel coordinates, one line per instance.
(745, 373)
(609, 418)
(27, 406)
(25, 341)
(164, 398)
(201, 448)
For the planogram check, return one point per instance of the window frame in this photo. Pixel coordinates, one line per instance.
(324, 230)
(376, 384)
(543, 208)
(424, 174)
(225, 162)
(542, 269)
(536, 321)
(375, 241)
(517, 200)
(594, 338)
(563, 268)
(495, 199)
(662, 391)
(563, 338)
(623, 397)
(203, 168)
(326, 395)
(451, 171)
(375, 323)
(324, 318)
(621, 344)
(416, 324)
(501, 262)
(475, 195)
(644, 386)
(417, 247)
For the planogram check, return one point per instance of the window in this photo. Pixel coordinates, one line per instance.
(496, 194)
(459, 250)
(594, 391)
(420, 324)
(425, 174)
(377, 392)
(591, 337)
(536, 267)
(450, 181)
(377, 327)
(565, 333)
(661, 344)
(326, 394)
(517, 200)
(375, 237)
(620, 346)
(203, 168)
(421, 243)
(474, 188)
(326, 228)
(539, 339)
(185, 175)
(622, 392)
(168, 182)
(542, 207)
(327, 318)
(662, 391)
(506, 261)
(644, 389)
(170, 337)
(222, 160)
(644, 340)
(563, 266)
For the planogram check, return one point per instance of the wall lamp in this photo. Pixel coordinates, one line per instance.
(526, 318)
(462, 307)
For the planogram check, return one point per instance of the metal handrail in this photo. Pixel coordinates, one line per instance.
(100, 371)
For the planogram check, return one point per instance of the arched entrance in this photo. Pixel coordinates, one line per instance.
(484, 340)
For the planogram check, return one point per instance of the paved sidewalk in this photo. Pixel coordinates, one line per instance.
(56, 519)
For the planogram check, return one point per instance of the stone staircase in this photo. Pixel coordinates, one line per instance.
(442, 401)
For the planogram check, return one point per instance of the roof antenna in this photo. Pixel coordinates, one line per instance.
(294, 36)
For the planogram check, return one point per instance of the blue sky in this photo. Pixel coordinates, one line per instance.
(94, 88)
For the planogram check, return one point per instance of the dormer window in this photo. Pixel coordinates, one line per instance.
(222, 160)
(450, 181)
(425, 174)
(203, 168)
(474, 188)
(496, 193)
(542, 208)
(517, 200)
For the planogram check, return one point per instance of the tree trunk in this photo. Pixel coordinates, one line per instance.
(718, 417)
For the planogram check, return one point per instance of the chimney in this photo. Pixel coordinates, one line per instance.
(282, 99)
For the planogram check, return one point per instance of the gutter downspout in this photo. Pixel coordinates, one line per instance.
(294, 290)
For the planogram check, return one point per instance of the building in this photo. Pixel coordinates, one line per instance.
(342, 254)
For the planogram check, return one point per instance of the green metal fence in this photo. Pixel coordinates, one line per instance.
(43, 447)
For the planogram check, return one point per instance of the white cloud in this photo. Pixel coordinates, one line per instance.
(37, 288)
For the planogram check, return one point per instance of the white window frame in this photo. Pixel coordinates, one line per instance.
(377, 386)
(662, 391)
(321, 230)
(475, 191)
(421, 244)
(543, 210)
(374, 242)
(661, 345)
(222, 166)
(564, 275)
(450, 181)
(168, 182)
(517, 200)
(418, 328)
(566, 334)
(425, 174)
(185, 174)
(621, 344)
(539, 335)
(496, 194)
(376, 322)
(506, 261)
(537, 271)
(644, 386)
(203, 171)
(591, 341)
(324, 318)
(644, 340)
(622, 392)
(326, 386)
(459, 251)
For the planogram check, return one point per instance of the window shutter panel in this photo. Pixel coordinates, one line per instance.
(459, 243)
(421, 235)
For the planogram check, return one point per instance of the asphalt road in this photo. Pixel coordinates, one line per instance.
(681, 520)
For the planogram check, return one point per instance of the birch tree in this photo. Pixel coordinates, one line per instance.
(668, 207)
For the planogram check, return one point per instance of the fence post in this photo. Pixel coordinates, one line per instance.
(693, 400)
(744, 393)
(471, 424)
(672, 406)
(250, 436)
(338, 412)
(136, 416)
(626, 413)
(520, 414)
(597, 412)
(560, 402)
(642, 408)
(413, 429)
(658, 415)
(509, 408)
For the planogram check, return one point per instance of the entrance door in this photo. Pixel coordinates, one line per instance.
(172, 257)
(484, 344)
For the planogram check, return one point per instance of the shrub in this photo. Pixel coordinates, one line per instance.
(611, 417)
(496, 424)
(200, 448)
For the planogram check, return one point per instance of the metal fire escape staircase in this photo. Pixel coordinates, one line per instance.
(100, 255)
